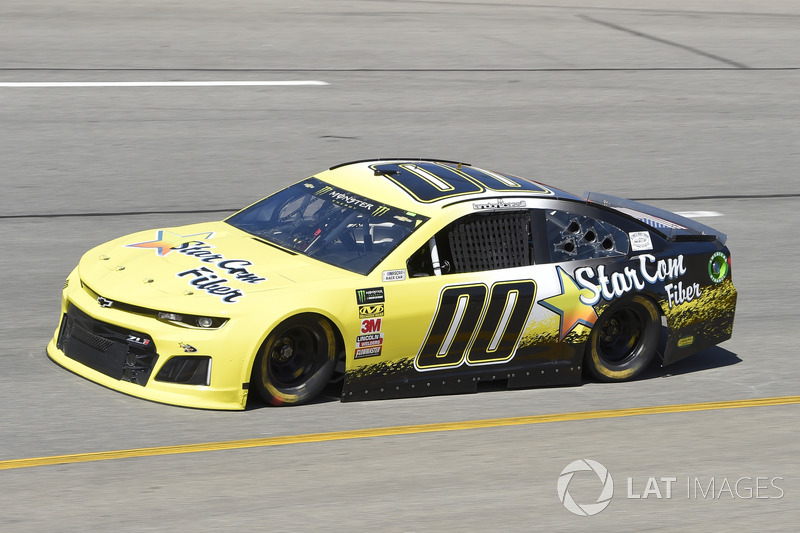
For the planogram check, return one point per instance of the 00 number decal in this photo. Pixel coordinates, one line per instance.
(469, 326)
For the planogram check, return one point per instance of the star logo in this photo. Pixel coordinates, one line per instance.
(167, 240)
(568, 305)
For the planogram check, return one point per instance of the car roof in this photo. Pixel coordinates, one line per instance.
(427, 185)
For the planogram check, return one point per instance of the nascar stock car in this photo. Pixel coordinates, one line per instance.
(395, 278)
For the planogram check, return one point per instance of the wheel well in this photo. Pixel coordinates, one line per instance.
(340, 349)
(661, 319)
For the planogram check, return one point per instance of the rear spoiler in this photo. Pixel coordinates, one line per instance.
(673, 227)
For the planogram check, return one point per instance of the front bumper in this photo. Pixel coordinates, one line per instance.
(127, 352)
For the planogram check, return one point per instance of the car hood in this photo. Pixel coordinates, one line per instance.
(211, 261)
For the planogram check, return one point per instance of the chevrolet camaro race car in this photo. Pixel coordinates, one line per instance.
(402, 277)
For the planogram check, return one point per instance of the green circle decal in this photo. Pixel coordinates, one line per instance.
(718, 267)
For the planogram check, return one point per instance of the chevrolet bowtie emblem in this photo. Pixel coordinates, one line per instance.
(104, 302)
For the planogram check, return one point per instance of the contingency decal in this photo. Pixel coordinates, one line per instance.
(167, 241)
(640, 241)
(571, 305)
(373, 295)
(718, 267)
(370, 342)
(370, 310)
(394, 275)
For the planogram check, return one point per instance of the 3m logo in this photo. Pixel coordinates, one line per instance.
(323, 190)
(371, 325)
(369, 311)
(380, 211)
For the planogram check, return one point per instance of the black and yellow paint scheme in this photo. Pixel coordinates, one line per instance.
(398, 278)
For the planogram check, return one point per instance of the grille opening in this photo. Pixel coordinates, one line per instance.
(114, 351)
(186, 369)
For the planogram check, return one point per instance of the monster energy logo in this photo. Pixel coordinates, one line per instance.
(370, 296)
(323, 190)
(380, 211)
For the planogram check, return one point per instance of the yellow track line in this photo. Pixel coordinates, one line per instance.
(386, 431)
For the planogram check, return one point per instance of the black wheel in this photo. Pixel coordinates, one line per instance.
(296, 361)
(624, 340)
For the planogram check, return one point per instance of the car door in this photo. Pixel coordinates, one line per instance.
(470, 295)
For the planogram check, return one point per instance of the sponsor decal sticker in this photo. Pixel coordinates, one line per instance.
(640, 241)
(683, 342)
(370, 340)
(188, 348)
(370, 311)
(368, 352)
(394, 275)
(718, 267)
(371, 325)
(370, 296)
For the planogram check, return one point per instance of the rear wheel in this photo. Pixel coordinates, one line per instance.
(624, 341)
(296, 361)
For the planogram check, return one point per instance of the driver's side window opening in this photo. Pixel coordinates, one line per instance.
(477, 243)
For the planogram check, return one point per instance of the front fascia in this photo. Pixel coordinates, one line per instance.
(232, 348)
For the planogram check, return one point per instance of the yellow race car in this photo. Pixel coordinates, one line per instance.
(403, 277)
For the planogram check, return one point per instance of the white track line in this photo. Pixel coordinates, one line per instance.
(699, 214)
(160, 83)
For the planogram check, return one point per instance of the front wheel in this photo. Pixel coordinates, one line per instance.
(296, 361)
(624, 340)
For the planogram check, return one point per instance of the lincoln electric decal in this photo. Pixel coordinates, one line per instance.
(204, 278)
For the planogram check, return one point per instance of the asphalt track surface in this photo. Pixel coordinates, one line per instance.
(693, 105)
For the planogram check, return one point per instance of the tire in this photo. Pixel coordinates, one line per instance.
(624, 340)
(296, 361)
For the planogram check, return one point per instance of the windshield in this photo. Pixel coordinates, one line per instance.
(330, 224)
